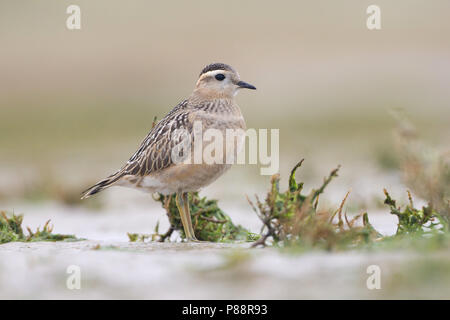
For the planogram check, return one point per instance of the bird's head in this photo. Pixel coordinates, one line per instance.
(220, 80)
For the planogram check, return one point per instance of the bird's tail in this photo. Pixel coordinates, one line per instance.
(101, 185)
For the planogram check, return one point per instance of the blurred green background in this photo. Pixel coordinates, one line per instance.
(74, 105)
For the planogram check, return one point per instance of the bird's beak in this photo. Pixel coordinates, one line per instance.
(242, 84)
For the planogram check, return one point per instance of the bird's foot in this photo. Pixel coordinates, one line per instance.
(195, 240)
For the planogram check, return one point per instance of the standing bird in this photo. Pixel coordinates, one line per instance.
(154, 167)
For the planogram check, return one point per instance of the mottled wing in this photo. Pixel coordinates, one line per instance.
(155, 151)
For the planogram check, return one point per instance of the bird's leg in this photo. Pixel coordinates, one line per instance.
(188, 216)
(183, 207)
(179, 202)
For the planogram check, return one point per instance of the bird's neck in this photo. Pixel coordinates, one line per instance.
(217, 104)
(206, 94)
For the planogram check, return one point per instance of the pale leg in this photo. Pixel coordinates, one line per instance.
(182, 201)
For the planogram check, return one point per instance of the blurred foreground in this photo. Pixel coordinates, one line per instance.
(112, 270)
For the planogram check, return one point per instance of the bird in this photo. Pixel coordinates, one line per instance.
(154, 167)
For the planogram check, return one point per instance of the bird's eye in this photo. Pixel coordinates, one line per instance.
(220, 76)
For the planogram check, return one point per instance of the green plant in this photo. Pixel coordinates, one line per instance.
(412, 220)
(11, 230)
(292, 219)
(425, 171)
(209, 221)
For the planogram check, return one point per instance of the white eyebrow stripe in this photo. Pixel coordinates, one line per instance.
(212, 73)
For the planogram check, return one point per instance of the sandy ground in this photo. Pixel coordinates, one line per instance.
(112, 267)
(180, 271)
(200, 271)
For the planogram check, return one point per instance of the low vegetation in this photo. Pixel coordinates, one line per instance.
(425, 171)
(416, 221)
(291, 218)
(209, 221)
(11, 230)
